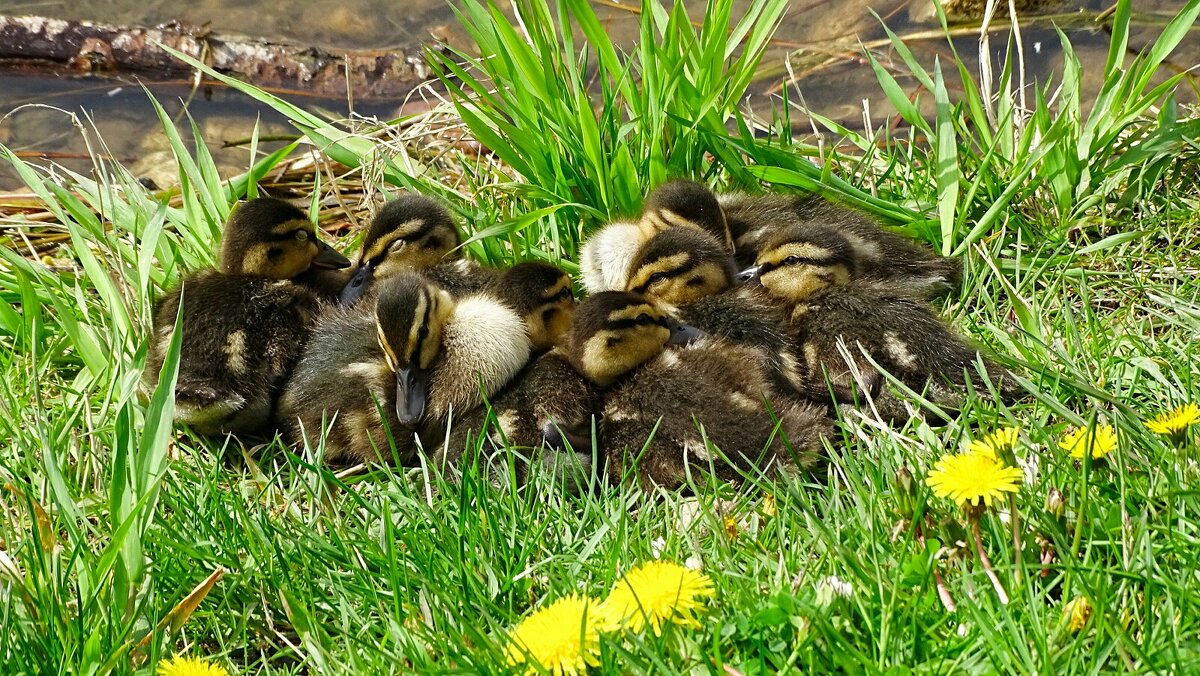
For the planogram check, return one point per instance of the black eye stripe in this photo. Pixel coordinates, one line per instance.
(630, 323)
(290, 234)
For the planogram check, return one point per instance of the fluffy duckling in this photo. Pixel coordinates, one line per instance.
(812, 275)
(760, 222)
(662, 379)
(606, 258)
(687, 271)
(245, 324)
(414, 232)
(402, 364)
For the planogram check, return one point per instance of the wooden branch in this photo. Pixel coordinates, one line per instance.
(95, 49)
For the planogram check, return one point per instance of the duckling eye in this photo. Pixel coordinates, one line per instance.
(301, 235)
(566, 293)
(645, 319)
(791, 260)
(423, 332)
(398, 245)
(656, 278)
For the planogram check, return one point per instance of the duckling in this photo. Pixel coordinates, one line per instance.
(813, 275)
(245, 324)
(400, 368)
(605, 258)
(414, 232)
(760, 221)
(687, 271)
(663, 380)
(680, 202)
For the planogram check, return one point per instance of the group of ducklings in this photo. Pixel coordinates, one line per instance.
(735, 322)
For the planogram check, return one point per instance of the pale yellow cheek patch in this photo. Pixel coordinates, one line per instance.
(388, 356)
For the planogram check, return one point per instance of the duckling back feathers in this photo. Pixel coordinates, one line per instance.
(344, 381)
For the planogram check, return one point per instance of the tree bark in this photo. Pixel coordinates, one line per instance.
(96, 49)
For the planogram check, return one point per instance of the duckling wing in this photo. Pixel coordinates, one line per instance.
(241, 336)
(708, 393)
(461, 277)
(547, 395)
(749, 319)
(900, 333)
(343, 385)
(484, 345)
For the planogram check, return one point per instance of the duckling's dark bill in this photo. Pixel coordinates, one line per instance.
(328, 258)
(683, 334)
(411, 383)
(750, 274)
(357, 285)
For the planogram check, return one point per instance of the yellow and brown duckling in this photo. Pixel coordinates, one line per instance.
(607, 257)
(414, 232)
(245, 324)
(814, 277)
(664, 381)
(547, 406)
(382, 372)
(760, 222)
(687, 271)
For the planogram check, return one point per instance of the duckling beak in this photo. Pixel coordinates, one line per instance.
(410, 394)
(357, 285)
(328, 258)
(749, 275)
(682, 334)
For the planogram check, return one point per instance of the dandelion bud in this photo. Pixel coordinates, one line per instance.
(1076, 613)
(906, 493)
(1055, 504)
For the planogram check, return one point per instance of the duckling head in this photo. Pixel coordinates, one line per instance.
(615, 331)
(409, 315)
(679, 266)
(542, 295)
(688, 204)
(267, 237)
(801, 260)
(412, 232)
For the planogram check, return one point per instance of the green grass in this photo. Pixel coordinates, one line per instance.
(1078, 223)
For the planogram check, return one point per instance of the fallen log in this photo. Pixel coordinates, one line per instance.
(97, 49)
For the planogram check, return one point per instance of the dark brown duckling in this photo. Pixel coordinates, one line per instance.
(665, 382)
(762, 221)
(244, 325)
(812, 276)
(414, 232)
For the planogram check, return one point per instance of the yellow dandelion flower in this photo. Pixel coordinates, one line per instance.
(1175, 423)
(1100, 443)
(1076, 613)
(563, 638)
(656, 593)
(768, 506)
(970, 477)
(189, 666)
(996, 443)
(731, 526)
